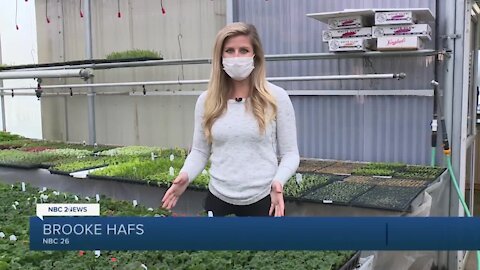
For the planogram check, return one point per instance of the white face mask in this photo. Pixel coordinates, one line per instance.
(238, 68)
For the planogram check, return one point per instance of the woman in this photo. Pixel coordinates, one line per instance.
(239, 122)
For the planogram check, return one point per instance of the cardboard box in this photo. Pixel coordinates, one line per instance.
(420, 30)
(395, 17)
(399, 43)
(349, 45)
(365, 32)
(346, 22)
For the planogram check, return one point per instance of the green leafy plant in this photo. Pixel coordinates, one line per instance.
(309, 181)
(7, 136)
(136, 53)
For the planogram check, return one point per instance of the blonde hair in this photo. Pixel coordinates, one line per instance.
(262, 103)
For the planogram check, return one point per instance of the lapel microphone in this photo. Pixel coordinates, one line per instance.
(238, 99)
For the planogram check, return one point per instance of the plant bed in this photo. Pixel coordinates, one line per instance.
(86, 163)
(342, 168)
(17, 254)
(140, 168)
(420, 172)
(131, 151)
(337, 193)
(312, 166)
(388, 197)
(35, 159)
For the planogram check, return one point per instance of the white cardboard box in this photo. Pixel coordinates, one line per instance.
(347, 22)
(399, 43)
(420, 30)
(365, 32)
(395, 17)
(349, 45)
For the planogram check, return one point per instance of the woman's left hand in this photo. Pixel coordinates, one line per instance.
(278, 205)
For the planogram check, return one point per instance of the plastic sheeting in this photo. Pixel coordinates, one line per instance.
(432, 202)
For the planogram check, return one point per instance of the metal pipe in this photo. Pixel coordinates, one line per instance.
(182, 82)
(2, 98)
(275, 57)
(62, 73)
(406, 92)
(92, 134)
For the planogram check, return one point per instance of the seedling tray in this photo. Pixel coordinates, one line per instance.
(388, 198)
(322, 180)
(312, 166)
(339, 192)
(412, 172)
(343, 168)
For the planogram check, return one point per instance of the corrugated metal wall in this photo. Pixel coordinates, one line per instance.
(187, 30)
(364, 128)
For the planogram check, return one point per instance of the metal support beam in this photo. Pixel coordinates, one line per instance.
(63, 73)
(2, 98)
(92, 134)
(184, 82)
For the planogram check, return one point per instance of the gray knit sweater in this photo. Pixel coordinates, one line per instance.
(244, 162)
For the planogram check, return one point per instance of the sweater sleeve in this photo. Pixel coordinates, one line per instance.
(198, 157)
(286, 138)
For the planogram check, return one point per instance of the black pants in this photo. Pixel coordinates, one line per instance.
(221, 208)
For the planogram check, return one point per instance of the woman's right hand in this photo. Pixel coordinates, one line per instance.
(175, 191)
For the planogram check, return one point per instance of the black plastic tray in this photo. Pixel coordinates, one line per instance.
(352, 263)
(403, 208)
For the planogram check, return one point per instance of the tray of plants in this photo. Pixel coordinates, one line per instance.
(301, 184)
(420, 172)
(397, 198)
(339, 192)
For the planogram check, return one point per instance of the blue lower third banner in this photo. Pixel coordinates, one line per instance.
(254, 233)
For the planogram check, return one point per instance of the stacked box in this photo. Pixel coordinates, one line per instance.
(396, 31)
(349, 44)
(348, 33)
(364, 32)
(395, 18)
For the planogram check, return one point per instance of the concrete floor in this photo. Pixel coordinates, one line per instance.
(471, 263)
